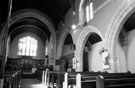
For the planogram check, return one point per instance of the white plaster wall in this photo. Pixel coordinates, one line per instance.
(96, 58)
(121, 58)
(67, 50)
(104, 11)
(103, 16)
(14, 45)
(126, 54)
(71, 19)
(131, 51)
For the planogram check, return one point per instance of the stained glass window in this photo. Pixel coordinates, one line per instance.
(27, 46)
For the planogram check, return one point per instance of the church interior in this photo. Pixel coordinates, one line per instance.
(67, 44)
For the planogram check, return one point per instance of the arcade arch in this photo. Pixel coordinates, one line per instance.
(67, 54)
(119, 38)
(90, 35)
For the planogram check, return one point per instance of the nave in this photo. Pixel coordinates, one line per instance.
(82, 52)
(31, 83)
(19, 79)
(54, 79)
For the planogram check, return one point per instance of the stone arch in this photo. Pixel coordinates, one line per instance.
(113, 30)
(61, 42)
(40, 16)
(87, 31)
(68, 41)
(16, 39)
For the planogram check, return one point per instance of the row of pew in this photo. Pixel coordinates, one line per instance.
(55, 79)
(12, 79)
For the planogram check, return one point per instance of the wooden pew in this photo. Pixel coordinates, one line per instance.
(12, 79)
(38, 75)
(116, 81)
(55, 79)
(87, 79)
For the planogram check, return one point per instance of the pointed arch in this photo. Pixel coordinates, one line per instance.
(87, 31)
(40, 16)
(113, 30)
(61, 42)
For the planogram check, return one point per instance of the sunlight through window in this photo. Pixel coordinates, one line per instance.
(89, 11)
(27, 46)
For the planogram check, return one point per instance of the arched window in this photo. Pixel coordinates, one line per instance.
(86, 11)
(27, 46)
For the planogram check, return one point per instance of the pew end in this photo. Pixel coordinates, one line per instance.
(100, 81)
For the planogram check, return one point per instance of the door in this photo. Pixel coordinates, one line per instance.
(85, 61)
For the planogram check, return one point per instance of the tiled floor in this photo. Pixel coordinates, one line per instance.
(31, 83)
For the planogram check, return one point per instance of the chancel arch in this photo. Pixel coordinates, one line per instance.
(33, 21)
(31, 13)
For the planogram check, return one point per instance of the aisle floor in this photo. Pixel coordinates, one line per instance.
(31, 83)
